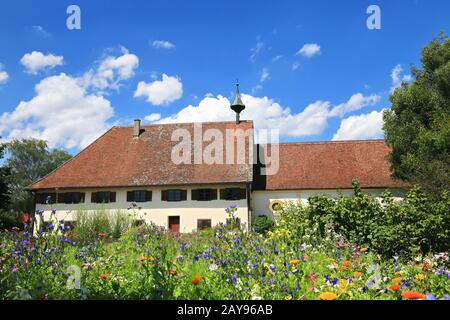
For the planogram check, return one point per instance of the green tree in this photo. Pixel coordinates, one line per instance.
(29, 160)
(417, 127)
(4, 172)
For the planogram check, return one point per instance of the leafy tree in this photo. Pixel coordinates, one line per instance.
(29, 160)
(417, 127)
(4, 172)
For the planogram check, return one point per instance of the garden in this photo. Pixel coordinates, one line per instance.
(345, 248)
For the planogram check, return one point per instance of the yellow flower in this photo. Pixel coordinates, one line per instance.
(357, 274)
(397, 280)
(420, 277)
(364, 249)
(328, 296)
(295, 262)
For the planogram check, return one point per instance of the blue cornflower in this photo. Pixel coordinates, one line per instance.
(431, 297)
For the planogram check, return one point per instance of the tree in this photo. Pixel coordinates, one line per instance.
(417, 127)
(4, 172)
(29, 160)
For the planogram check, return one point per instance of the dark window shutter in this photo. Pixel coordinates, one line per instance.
(223, 194)
(82, 196)
(130, 196)
(194, 195)
(183, 195)
(213, 194)
(164, 195)
(112, 197)
(39, 198)
(148, 195)
(243, 193)
(61, 198)
(94, 197)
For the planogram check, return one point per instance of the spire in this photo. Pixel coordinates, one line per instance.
(238, 105)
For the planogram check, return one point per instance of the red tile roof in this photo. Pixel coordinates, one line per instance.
(331, 165)
(117, 159)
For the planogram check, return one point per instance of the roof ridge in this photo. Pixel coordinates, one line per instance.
(331, 142)
(71, 159)
(178, 123)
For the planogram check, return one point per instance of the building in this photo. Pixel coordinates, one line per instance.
(176, 176)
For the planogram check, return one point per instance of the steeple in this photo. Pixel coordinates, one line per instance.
(237, 105)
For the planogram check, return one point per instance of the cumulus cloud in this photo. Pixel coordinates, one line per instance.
(4, 76)
(62, 113)
(161, 92)
(153, 117)
(37, 61)
(264, 75)
(398, 77)
(70, 111)
(364, 126)
(309, 50)
(111, 71)
(163, 44)
(265, 112)
(356, 102)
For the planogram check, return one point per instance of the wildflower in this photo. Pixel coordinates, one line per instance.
(295, 262)
(256, 298)
(347, 263)
(104, 276)
(141, 259)
(173, 272)
(305, 258)
(328, 296)
(364, 249)
(43, 296)
(412, 295)
(398, 273)
(420, 277)
(196, 280)
(397, 280)
(295, 271)
(395, 287)
(431, 297)
(102, 235)
(357, 274)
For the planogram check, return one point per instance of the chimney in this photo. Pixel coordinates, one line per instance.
(137, 128)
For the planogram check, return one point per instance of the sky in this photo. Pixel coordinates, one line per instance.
(311, 69)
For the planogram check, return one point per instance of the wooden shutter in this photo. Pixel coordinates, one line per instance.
(112, 197)
(94, 197)
(61, 198)
(243, 193)
(194, 195)
(148, 196)
(130, 196)
(183, 195)
(164, 195)
(39, 198)
(213, 194)
(223, 194)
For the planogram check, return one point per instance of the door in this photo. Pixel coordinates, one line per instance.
(174, 224)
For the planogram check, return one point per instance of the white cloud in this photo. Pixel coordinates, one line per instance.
(356, 102)
(309, 50)
(41, 31)
(256, 50)
(111, 71)
(264, 75)
(153, 117)
(361, 127)
(398, 77)
(163, 44)
(37, 61)
(265, 112)
(161, 92)
(62, 113)
(276, 58)
(295, 66)
(4, 76)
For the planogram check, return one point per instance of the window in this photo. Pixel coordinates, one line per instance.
(204, 194)
(203, 224)
(46, 198)
(72, 197)
(233, 194)
(173, 195)
(103, 197)
(139, 196)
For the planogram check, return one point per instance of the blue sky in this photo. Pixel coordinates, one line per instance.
(69, 86)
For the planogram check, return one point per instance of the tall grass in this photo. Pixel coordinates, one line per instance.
(89, 224)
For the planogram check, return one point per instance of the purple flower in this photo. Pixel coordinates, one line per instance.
(234, 206)
(446, 297)
(273, 268)
(431, 297)
(234, 278)
(295, 271)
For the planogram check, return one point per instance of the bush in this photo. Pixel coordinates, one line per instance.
(7, 220)
(416, 224)
(263, 224)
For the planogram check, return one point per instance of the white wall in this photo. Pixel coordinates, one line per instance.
(156, 211)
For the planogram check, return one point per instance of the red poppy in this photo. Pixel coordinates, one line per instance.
(104, 276)
(102, 235)
(196, 280)
(395, 287)
(347, 263)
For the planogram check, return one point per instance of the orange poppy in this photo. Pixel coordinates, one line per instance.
(395, 287)
(364, 249)
(412, 295)
(397, 280)
(347, 263)
(196, 280)
(357, 274)
(141, 259)
(328, 296)
(306, 258)
(104, 276)
(102, 235)
(295, 262)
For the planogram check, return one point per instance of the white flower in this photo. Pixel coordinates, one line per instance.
(256, 298)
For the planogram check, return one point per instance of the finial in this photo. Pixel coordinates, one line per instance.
(237, 105)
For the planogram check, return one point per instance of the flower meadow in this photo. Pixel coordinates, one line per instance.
(226, 262)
